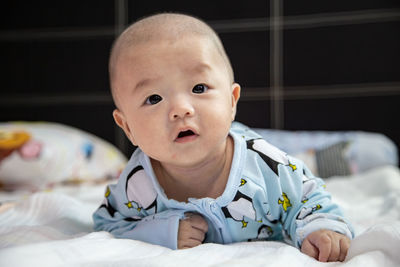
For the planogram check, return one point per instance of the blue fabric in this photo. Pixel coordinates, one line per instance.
(269, 196)
(366, 150)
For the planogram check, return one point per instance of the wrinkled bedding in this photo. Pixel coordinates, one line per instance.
(54, 228)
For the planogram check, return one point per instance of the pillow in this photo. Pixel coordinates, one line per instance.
(335, 153)
(55, 153)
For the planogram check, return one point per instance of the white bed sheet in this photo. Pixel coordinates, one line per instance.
(55, 229)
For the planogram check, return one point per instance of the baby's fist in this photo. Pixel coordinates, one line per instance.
(192, 230)
(326, 245)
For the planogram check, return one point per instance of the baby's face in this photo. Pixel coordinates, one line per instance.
(176, 100)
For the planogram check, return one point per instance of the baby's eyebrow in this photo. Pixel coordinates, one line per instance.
(199, 68)
(202, 67)
(142, 83)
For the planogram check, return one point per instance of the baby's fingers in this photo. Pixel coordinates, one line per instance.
(309, 249)
(344, 247)
(324, 245)
(322, 242)
(188, 237)
(197, 221)
(188, 243)
(330, 246)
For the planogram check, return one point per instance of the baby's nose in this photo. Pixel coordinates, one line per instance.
(180, 109)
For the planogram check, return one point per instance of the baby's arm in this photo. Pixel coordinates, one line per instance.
(312, 220)
(192, 230)
(159, 229)
(124, 220)
(326, 245)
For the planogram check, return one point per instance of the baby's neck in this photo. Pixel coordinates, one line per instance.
(207, 179)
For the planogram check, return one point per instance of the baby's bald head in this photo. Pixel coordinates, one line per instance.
(165, 26)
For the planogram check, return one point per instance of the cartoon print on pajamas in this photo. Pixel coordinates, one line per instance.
(309, 185)
(240, 207)
(108, 207)
(285, 202)
(271, 218)
(270, 154)
(308, 211)
(264, 232)
(140, 191)
(107, 193)
(105, 203)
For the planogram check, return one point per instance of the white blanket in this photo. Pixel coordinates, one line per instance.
(54, 229)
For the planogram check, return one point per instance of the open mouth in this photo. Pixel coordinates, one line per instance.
(185, 133)
(186, 136)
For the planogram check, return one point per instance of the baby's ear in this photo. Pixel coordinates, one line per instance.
(120, 120)
(235, 98)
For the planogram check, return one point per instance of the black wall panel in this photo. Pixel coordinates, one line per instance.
(55, 66)
(293, 7)
(24, 15)
(206, 10)
(345, 54)
(302, 65)
(249, 56)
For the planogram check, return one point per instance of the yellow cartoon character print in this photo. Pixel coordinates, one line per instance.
(239, 208)
(271, 155)
(308, 211)
(309, 186)
(110, 209)
(285, 202)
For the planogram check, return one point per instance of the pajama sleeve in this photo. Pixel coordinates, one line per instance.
(306, 206)
(124, 217)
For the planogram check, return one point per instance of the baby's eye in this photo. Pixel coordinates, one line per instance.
(200, 88)
(153, 99)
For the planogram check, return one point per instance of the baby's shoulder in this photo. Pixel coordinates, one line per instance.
(135, 171)
(263, 158)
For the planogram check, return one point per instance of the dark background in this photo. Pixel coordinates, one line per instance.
(303, 65)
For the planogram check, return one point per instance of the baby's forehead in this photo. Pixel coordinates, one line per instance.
(170, 27)
(169, 40)
(191, 47)
(193, 53)
(160, 36)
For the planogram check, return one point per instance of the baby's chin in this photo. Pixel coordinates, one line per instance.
(182, 161)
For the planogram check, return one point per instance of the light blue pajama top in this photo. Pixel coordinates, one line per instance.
(269, 196)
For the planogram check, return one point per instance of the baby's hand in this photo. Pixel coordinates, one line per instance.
(326, 245)
(192, 230)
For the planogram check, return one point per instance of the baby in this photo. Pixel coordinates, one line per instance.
(197, 177)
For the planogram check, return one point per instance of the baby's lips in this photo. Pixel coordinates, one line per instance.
(185, 133)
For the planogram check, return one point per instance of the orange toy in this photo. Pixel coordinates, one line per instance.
(13, 140)
(10, 141)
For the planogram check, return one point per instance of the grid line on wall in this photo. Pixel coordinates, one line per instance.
(276, 64)
(248, 94)
(275, 26)
(341, 18)
(254, 24)
(221, 26)
(121, 21)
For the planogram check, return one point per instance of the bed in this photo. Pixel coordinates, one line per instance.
(47, 222)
